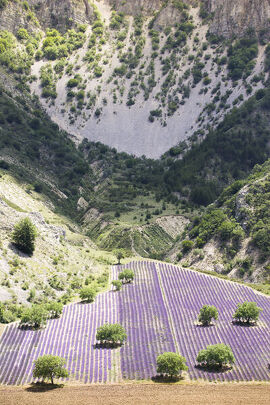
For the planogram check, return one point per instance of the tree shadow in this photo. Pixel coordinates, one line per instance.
(201, 325)
(244, 324)
(107, 345)
(17, 251)
(25, 327)
(214, 368)
(43, 387)
(165, 379)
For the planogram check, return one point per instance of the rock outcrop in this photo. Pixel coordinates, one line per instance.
(235, 17)
(61, 14)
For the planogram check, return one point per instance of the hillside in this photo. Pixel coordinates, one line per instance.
(158, 71)
(63, 260)
(68, 66)
(232, 235)
(134, 197)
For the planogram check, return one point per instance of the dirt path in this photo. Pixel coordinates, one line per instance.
(148, 394)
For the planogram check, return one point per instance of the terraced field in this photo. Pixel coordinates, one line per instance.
(159, 313)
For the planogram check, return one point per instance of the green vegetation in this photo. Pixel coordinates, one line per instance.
(120, 254)
(47, 78)
(126, 276)
(88, 294)
(117, 284)
(3, 3)
(248, 312)
(56, 46)
(215, 223)
(24, 236)
(18, 59)
(111, 334)
(234, 148)
(219, 355)
(187, 245)
(50, 367)
(171, 364)
(34, 317)
(207, 313)
(241, 57)
(28, 135)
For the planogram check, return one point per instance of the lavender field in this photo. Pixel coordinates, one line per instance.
(159, 312)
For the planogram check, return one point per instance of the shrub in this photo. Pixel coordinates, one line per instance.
(261, 237)
(187, 246)
(34, 317)
(50, 367)
(6, 316)
(88, 294)
(22, 34)
(54, 309)
(218, 355)
(127, 276)
(207, 313)
(24, 236)
(117, 284)
(247, 312)
(111, 334)
(3, 3)
(171, 363)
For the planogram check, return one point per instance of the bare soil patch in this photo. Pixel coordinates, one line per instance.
(150, 394)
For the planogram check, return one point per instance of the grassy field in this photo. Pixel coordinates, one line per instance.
(148, 394)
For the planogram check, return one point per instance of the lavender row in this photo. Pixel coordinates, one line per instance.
(143, 315)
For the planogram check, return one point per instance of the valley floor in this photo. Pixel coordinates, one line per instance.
(215, 394)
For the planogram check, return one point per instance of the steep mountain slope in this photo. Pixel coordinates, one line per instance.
(153, 71)
(139, 76)
(232, 236)
(63, 258)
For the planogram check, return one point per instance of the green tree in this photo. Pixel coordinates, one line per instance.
(219, 355)
(111, 334)
(187, 245)
(50, 367)
(88, 294)
(247, 312)
(35, 317)
(126, 276)
(120, 254)
(171, 363)
(117, 284)
(24, 236)
(207, 313)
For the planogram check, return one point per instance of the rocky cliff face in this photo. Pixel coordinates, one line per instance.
(235, 17)
(135, 7)
(61, 14)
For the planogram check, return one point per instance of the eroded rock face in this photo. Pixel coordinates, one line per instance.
(148, 7)
(135, 7)
(61, 14)
(235, 17)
